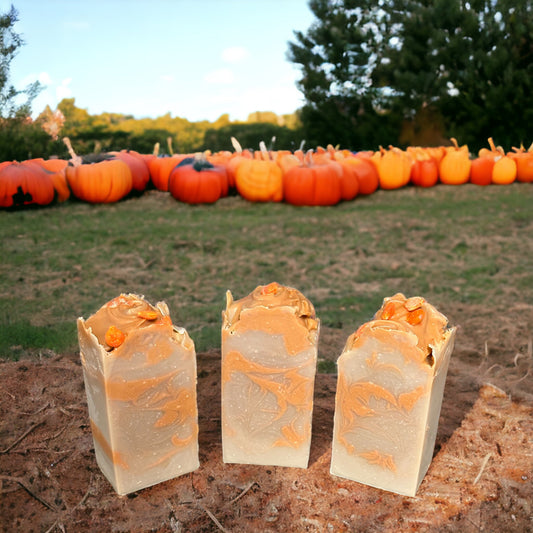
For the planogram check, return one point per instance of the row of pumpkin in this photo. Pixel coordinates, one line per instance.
(323, 176)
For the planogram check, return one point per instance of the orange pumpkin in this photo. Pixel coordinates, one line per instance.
(454, 168)
(140, 173)
(504, 168)
(288, 160)
(524, 163)
(504, 171)
(424, 172)
(259, 179)
(435, 152)
(367, 174)
(196, 181)
(222, 159)
(349, 181)
(160, 169)
(52, 165)
(349, 177)
(104, 181)
(313, 184)
(97, 179)
(25, 184)
(323, 155)
(394, 167)
(146, 157)
(481, 170)
(234, 161)
(57, 171)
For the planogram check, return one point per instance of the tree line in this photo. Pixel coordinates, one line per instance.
(23, 138)
(386, 72)
(410, 72)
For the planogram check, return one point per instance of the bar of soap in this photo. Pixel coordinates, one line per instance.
(269, 354)
(391, 377)
(140, 379)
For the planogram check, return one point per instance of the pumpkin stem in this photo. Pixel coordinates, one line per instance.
(272, 143)
(455, 143)
(308, 158)
(492, 145)
(264, 151)
(331, 150)
(74, 157)
(156, 149)
(236, 145)
(301, 147)
(169, 144)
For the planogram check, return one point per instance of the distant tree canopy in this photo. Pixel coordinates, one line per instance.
(106, 132)
(10, 42)
(250, 135)
(16, 133)
(417, 72)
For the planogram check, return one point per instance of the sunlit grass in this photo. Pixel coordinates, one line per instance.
(450, 244)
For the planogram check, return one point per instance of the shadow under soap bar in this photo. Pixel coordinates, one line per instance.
(269, 355)
(391, 377)
(140, 380)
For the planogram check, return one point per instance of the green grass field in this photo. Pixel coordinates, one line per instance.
(466, 249)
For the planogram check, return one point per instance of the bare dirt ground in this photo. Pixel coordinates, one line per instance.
(480, 478)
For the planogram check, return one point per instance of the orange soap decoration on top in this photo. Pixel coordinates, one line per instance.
(140, 380)
(391, 377)
(269, 354)
(114, 337)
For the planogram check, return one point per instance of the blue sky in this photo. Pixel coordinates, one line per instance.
(195, 59)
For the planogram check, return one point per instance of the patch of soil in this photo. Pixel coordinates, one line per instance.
(480, 478)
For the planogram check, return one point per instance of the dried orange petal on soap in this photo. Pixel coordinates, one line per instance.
(148, 314)
(413, 303)
(388, 311)
(271, 288)
(415, 316)
(114, 337)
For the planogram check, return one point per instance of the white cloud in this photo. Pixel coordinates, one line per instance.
(282, 99)
(44, 78)
(167, 77)
(63, 90)
(238, 101)
(222, 76)
(235, 54)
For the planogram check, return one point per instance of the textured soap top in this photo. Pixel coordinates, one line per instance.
(274, 309)
(412, 320)
(271, 296)
(126, 313)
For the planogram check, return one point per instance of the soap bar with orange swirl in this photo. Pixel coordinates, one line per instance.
(140, 380)
(391, 377)
(269, 355)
